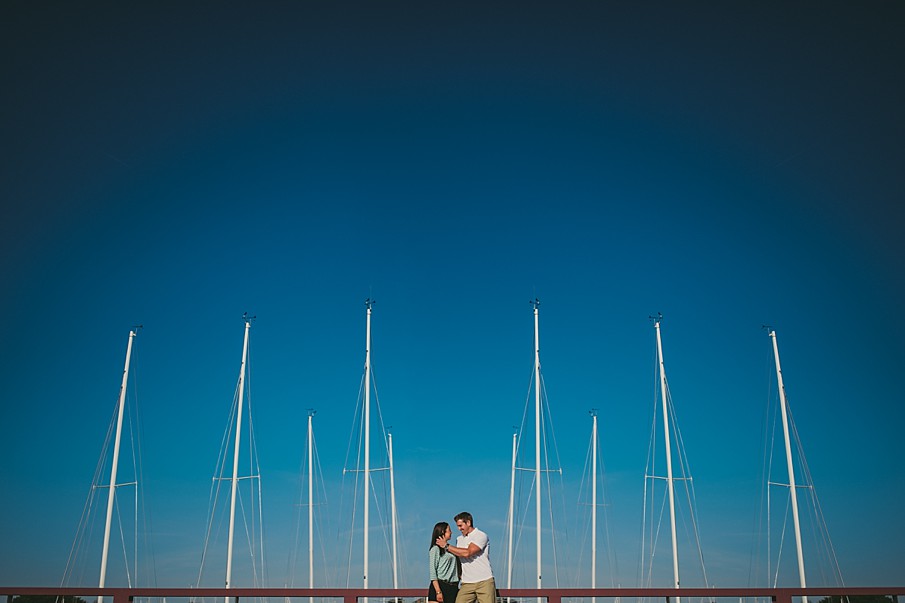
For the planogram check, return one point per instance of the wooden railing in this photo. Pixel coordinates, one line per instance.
(552, 595)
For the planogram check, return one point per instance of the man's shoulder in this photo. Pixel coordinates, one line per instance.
(478, 537)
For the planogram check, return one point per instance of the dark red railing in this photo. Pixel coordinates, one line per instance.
(552, 595)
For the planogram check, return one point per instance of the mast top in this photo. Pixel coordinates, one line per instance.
(369, 303)
(247, 318)
(657, 319)
(535, 303)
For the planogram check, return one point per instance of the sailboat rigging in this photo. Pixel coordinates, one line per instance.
(593, 487)
(539, 472)
(253, 531)
(670, 432)
(113, 503)
(311, 487)
(363, 455)
(818, 524)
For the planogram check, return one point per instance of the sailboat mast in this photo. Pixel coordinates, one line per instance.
(310, 503)
(511, 511)
(112, 490)
(669, 477)
(367, 426)
(791, 469)
(537, 421)
(594, 503)
(235, 478)
(393, 508)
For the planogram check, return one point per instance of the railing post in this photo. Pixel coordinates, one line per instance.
(122, 595)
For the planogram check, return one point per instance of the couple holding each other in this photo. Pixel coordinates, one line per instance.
(468, 560)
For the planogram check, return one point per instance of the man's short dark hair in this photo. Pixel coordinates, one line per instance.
(464, 516)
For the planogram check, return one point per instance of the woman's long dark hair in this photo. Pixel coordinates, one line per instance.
(439, 530)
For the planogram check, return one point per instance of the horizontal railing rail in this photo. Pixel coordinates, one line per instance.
(552, 595)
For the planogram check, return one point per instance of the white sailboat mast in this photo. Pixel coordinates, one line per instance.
(235, 478)
(367, 426)
(537, 427)
(791, 469)
(594, 503)
(511, 513)
(669, 476)
(310, 503)
(112, 490)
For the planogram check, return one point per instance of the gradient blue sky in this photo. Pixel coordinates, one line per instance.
(727, 165)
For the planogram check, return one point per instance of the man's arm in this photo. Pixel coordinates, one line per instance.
(465, 553)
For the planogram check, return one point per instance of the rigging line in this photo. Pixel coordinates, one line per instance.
(521, 430)
(782, 539)
(832, 550)
(320, 509)
(122, 540)
(219, 468)
(611, 553)
(356, 428)
(689, 487)
(146, 521)
(357, 418)
(380, 421)
(548, 427)
(548, 415)
(524, 515)
(359, 413)
(133, 426)
(83, 528)
(656, 534)
(775, 414)
(255, 468)
(584, 510)
(766, 453)
(140, 501)
(650, 470)
(293, 554)
(819, 529)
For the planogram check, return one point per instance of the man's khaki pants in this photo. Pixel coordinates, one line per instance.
(482, 592)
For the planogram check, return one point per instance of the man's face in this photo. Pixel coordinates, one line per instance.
(464, 526)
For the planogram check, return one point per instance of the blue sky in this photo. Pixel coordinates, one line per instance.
(728, 166)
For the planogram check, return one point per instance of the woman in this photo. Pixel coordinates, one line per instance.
(444, 568)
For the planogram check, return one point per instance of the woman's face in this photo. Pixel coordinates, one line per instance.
(447, 533)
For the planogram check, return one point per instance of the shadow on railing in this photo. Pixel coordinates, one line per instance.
(512, 595)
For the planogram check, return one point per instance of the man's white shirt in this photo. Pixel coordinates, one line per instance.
(476, 568)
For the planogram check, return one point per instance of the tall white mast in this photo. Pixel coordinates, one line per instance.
(112, 490)
(392, 508)
(669, 477)
(367, 426)
(792, 488)
(511, 512)
(537, 422)
(310, 503)
(235, 478)
(594, 503)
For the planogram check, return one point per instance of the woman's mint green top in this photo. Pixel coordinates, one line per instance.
(442, 567)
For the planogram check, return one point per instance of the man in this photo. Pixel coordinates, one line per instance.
(473, 550)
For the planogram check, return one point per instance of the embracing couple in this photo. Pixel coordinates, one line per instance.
(468, 561)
